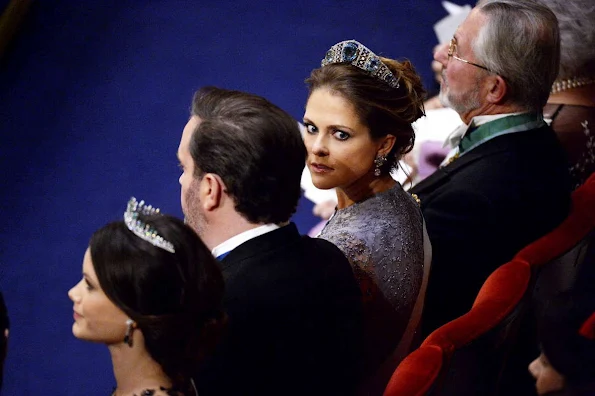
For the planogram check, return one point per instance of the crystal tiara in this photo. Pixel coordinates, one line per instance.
(141, 229)
(362, 57)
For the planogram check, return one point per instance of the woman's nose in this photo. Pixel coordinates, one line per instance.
(73, 295)
(533, 368)
(319, 147)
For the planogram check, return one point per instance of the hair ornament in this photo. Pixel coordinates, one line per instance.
(141, 229)
(587, 329)
(360, 56)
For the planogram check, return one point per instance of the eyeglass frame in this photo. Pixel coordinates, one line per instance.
(451, 54)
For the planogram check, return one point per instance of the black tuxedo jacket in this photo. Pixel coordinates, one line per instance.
(481, 209)
(295, 320)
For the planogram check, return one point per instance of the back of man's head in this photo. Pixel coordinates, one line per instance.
(254, 147)
(521, 43)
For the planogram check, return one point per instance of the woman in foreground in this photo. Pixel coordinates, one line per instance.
(151, 291)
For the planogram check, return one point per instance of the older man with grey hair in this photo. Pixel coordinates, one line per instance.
(506, 181)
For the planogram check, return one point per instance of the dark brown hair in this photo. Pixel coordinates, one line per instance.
(383, 109)
(175, 298)
(254, 146)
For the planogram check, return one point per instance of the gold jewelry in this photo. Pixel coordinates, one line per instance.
(416, 198)
(451, 160)
(573, 82)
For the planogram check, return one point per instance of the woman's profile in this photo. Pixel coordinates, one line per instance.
(151, 291)
(358, 125)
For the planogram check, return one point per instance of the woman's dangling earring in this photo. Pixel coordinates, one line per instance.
(130, 326)
(378, 162)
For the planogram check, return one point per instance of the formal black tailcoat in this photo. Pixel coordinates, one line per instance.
(295, 320)
(485, 206)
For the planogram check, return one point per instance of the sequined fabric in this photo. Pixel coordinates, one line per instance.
(585, 165)
(574, 126)
(383, 239)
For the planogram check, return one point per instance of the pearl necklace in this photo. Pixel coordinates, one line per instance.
(574, 82)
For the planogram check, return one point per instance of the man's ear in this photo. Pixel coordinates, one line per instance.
(212, 189)
(497, 89)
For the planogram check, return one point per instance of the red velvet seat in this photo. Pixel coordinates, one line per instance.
(558, 263)
(465, 340)
(578, 224)
(559, 255)
(469, 355)
(416, 374)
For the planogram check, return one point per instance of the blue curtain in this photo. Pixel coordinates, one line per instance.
(93, 98)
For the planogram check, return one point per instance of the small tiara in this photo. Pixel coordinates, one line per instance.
(141, 229)
(360, 56)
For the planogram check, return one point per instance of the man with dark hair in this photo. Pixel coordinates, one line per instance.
(506, 182)
(293, 303)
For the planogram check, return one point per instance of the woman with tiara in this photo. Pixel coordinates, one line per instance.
(358, 125)
(151, 291)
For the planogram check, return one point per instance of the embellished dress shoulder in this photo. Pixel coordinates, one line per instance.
(383, 239)
(574, 126)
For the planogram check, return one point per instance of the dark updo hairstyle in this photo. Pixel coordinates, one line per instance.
(175, 298)
(571, 353)
(383, 109)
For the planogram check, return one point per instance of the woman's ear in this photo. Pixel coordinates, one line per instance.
(386, 145)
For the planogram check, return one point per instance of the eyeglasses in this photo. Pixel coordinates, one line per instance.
(452, 50)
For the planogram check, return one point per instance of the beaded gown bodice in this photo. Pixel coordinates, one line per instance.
(573, 125)
(383, 239)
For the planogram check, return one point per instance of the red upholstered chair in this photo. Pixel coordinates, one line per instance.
(558, 262)
(579, 223)
(473, 346)
(417, 373)
(476, 347)
(559, 255)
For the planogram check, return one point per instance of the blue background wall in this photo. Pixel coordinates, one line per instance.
(93, 99)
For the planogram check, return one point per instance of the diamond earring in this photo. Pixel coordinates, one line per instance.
(378, 162)
(130, 326)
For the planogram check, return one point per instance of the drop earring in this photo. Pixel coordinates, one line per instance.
(378, 162)
(130, 326)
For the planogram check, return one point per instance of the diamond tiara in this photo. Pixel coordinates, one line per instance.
(362, 57)
(141, 229)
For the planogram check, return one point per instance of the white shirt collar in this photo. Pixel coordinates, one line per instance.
(455, 137)
(245, 236)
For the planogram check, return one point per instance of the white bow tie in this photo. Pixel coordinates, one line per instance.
(456, 136)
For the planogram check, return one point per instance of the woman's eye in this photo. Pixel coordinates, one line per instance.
(341, 135)
(88, 285)
(311, 128)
